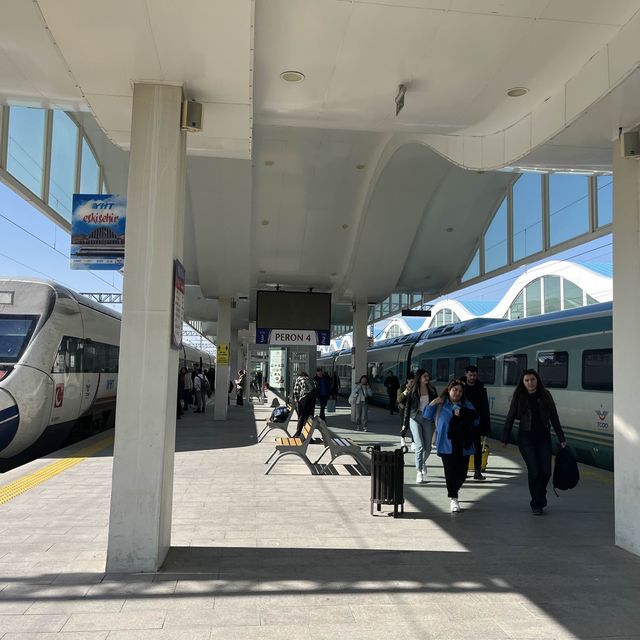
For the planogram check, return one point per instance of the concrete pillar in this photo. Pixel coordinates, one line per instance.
(223, 334)
(360, 344)
(626, 348)
(142, 492)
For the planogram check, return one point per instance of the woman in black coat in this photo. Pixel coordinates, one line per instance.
(533, 405)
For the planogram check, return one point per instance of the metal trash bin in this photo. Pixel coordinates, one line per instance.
(387, 478)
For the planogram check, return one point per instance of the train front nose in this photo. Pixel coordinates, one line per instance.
(9, 418)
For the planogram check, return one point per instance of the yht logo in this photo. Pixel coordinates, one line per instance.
(58, 398)
(602, 414)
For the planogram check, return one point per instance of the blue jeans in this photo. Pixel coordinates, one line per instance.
(422, 433)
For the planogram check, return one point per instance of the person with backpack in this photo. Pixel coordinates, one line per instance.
(476, 394)
(304, 398)
(534, 407)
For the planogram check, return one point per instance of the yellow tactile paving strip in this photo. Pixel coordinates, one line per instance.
(13, 489)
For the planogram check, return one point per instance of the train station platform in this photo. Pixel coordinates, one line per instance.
(297, 556)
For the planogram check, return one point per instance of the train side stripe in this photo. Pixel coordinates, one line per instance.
(14, 489)
(8, 413)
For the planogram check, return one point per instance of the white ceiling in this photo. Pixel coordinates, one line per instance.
(319, 184)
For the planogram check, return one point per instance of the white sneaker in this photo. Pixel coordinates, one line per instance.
(403, 443)
(424, 473)
(419, 479)
(413, 446)
(455, 506)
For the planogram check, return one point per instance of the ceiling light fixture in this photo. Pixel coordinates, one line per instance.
(292, 76)
(449, 229)
(268, 163)
(265, 222)
(517, 92)
(345, 226)
(359, 167)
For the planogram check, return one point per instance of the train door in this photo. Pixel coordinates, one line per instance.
(67, 378)
(93, 362)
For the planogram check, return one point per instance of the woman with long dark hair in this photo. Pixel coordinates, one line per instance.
(419, 395)
(533, 405)
(455, 420)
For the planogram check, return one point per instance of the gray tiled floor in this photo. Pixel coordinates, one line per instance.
(290, 555)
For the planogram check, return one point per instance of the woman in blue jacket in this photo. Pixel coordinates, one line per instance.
(455, 420)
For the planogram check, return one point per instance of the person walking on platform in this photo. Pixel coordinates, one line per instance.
(304, 399)
(359, 399)
(476, 394)
(187, 395)
(323, 385)
(421, 393)
(335, 386)
(241, 381)
(392, 384)
(455, 418)
(403, 392)
(533, 405)
(201, 395)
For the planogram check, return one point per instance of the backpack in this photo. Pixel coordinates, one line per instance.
(280, 414)
(565, 471)
(207, 384)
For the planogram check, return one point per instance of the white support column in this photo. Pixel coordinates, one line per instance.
(626, 348)
(360, 343)
(223, 333)
(142, 491)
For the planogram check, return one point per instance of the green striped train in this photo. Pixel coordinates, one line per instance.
(571, 350)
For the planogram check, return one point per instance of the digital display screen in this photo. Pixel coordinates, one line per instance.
(293, 310)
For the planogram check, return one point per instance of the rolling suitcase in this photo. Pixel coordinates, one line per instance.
(485, 457)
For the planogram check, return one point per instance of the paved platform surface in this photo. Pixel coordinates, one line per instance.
(296, 556)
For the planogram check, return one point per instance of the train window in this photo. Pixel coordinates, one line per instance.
(442, 369)
(68, 357)
(486, 369)
(553, 368)
(512, 368)
(460, 364)
(427, 365)
(597, 369)
(89, 357)
(15, 333)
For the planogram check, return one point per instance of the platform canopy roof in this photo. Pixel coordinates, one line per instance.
(319, 184)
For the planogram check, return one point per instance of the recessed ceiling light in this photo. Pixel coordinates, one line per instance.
(360, 166)
(265, 222)
(292, 76)
(334, 274)
(449, 229)
(345, 226)
(268, 163)
(517, 92)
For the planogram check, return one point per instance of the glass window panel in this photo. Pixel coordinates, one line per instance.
(90, 171)
(604, 185)
(495, 240)
(534, 298)
(552, 299)
(442, 369)
(25, 147)
(15, 333)
(63, 163)
(473, 270)
(460, 364)
(591, 300)
(597, 369)
(553, 368)
(572, 295)
(427, 365)
(486, 369)
(568, 207)
(517, 307)
(527, 216)
(513, 366)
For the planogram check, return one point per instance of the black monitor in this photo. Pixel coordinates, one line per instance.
(293, 310)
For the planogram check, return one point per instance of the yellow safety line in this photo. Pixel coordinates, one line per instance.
(13, 489)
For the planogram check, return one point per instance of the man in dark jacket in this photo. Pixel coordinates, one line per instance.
(476, 394)
(392, 383)
(323, 386)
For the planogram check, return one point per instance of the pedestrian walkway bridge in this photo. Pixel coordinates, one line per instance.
(297, 556)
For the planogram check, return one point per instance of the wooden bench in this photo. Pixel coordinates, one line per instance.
(339, 447)
(276, 426)
(294, 446)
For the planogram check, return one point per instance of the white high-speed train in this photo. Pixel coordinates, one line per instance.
(58, 367)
